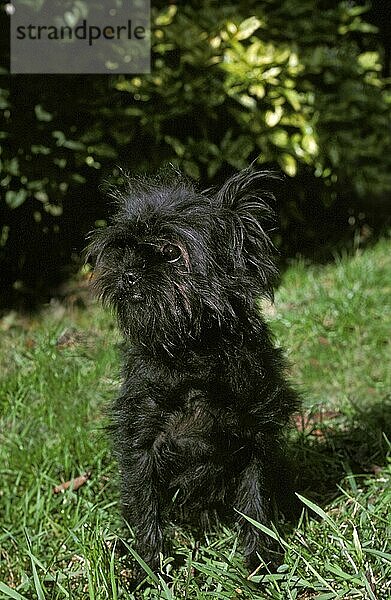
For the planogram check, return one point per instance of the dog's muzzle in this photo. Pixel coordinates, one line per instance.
(130, 281)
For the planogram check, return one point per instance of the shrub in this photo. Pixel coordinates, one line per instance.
(293, 84)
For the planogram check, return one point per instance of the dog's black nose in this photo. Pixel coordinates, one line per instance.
(130, 277)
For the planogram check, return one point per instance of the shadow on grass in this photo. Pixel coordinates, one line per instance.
(329, 448)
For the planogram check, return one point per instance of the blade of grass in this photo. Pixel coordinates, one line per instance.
(319, 511)
(10, 593)
(166, 589)
(112, 574)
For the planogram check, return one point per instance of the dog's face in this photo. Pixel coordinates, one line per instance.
(175, 262)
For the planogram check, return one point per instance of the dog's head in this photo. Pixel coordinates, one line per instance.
(176, 262)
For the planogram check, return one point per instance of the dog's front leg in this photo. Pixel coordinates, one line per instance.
(253, 499)
(141, 503)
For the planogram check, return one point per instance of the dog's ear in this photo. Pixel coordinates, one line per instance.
(247, 200)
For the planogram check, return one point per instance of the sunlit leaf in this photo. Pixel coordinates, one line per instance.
(288, 164)
(248, 27)
(166, 16)
(272, 117)
(309, 144)
(369, 61)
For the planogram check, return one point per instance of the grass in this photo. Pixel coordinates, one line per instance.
(60, 368)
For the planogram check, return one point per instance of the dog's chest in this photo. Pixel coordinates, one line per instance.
(186, 409)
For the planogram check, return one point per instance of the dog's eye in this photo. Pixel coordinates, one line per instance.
(171, 252)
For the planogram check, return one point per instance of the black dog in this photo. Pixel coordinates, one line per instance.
(204, 399)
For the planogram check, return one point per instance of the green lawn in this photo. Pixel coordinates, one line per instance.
(334, 322)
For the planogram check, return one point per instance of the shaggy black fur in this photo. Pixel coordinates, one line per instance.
(204, 399)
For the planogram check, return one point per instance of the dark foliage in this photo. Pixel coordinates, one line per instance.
(294, 87)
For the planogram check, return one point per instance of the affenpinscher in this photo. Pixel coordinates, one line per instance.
(198, 426)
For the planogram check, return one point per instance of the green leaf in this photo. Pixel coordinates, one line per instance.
(13, 167)
(14, 199)
(166, 590)
(280, 138)
(10, 593)
(103, 150)
(78, 178)
(319, 511)
(369, 61)
(257, 89)
(73, 145)
(385, 555)
(247, 28)
(191, 168)
(166, 16)
(272, 117)
(59, 136)
(42, 114)
(246, 101)
(39, 149)
(266, 530)
(143, 564)
(309, 144)
(293, 98)
(37, 581)
(178, 146)
(288, 164)
(213, 167)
